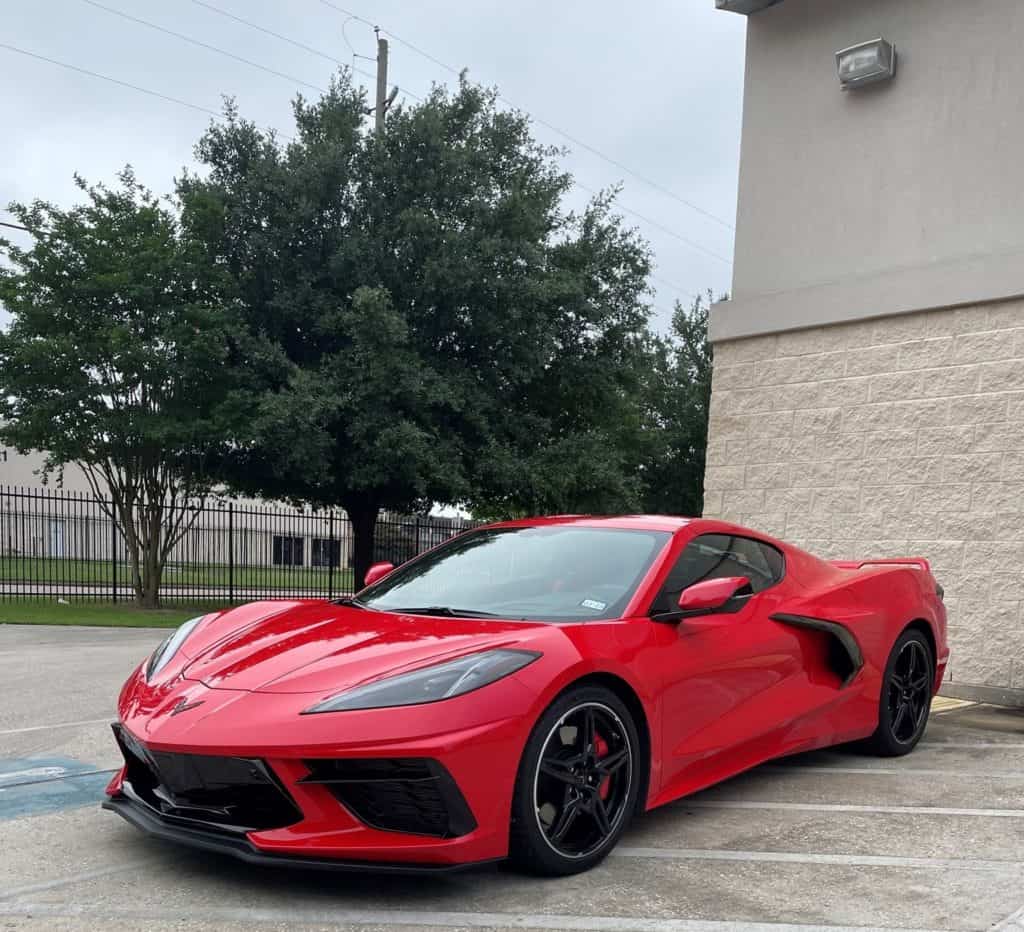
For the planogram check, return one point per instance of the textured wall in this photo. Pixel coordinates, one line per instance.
(900, 196)
(900, 436)
(837, 186)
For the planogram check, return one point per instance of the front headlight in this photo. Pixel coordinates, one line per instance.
(163, 654)
(431, 684)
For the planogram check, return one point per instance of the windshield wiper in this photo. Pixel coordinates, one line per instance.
(353, 603)
(445, 611)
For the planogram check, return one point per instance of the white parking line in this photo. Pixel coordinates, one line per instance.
(31, 775)
(93, 721)
(893, 771)
(1014, 923)
(388, 918)
(972, 745)
(15, 892)
(796, 857)
(834, 807)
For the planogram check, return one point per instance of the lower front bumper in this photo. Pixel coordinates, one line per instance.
(238, 846)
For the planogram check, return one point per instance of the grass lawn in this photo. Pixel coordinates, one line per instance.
(55, 571)
(111, 614)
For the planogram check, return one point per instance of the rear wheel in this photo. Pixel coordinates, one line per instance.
(906, 696)
(577, 783)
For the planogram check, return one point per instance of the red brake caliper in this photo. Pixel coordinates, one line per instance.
(601, 749)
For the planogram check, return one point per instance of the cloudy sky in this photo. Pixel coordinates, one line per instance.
(653, 85)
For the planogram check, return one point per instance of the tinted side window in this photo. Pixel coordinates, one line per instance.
(712, 556)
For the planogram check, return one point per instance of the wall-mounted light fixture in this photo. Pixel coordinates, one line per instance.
(744, 6)
(866, 63)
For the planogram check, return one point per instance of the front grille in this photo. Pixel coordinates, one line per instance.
(235, 793)
(414, 795)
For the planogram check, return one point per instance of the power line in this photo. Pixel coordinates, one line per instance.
(658, 226)
(328, 57)
(294, 42)
(135, 87)
(677, 288)
(103, 77)
(204, 45)
(15, 226)
(269, 32)
(668, 192)
(292, 78)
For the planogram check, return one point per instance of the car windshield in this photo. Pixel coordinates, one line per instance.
(551, 573)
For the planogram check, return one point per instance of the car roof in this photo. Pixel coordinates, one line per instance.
(670, 523)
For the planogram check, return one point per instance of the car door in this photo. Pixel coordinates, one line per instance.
(730, 679)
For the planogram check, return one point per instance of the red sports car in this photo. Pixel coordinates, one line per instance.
(520, 691)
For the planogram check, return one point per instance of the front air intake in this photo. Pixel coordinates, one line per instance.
(413, 795)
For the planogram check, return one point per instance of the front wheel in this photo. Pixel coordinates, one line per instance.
(906, 696)
(577, 783)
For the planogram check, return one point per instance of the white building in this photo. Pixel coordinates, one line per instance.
(60, 523)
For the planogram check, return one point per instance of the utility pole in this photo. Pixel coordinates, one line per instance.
(382, 82)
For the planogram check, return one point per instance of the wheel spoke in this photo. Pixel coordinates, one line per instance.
(900, 718)
(601, 816)
(560, 770)
(608, 765)
(920, 682)
(589, 731)
(897, 681)
(566, 818)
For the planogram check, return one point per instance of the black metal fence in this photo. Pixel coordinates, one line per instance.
(61, 544)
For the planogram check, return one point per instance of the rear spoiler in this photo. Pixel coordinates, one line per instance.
(917, 563)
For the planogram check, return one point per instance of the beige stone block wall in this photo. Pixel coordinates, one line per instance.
(900, 436)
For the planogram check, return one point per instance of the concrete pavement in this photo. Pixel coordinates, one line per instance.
(831, 840)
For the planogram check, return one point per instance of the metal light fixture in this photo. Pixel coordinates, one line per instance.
(744, 6)
(866, 63)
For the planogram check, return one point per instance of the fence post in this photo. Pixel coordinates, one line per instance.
(231, 552)
(419, 548)
(113, 548)
(330, 554)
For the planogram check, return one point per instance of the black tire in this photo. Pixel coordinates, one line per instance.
(574, 797)
(906, 697)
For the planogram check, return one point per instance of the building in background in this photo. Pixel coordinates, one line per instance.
(868, 394)
(65, 523)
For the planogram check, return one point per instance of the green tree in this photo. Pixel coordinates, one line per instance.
(677, 401)
(424, 321)
(114, 361)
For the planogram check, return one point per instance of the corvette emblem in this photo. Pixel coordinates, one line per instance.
(183, 705)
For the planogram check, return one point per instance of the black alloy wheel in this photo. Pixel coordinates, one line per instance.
(577, 785)
(909, 691)
(906, 695)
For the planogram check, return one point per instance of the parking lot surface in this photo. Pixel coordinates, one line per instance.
(831, 840)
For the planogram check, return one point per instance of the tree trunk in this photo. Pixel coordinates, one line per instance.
(126, 514)
(363, 516)
(152, 564)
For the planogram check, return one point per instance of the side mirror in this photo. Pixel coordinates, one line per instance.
(377, 572)
(711, 595)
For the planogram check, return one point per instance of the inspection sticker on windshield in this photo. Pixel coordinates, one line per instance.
(594, 605)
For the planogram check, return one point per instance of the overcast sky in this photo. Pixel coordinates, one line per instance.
(655, 85)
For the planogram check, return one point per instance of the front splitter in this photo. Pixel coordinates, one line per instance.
(239, 847)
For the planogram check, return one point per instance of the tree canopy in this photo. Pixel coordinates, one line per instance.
(677, 399)
(114, 361)
(422, 320)
(377, 321)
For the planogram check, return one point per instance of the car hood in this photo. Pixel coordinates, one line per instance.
(318, 648)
